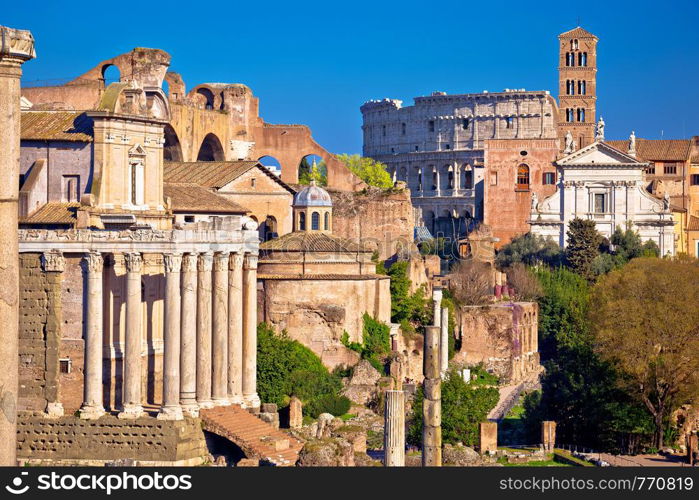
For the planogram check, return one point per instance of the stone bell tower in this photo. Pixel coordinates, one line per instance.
(577, 86)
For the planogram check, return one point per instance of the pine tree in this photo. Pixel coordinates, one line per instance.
(583, 246)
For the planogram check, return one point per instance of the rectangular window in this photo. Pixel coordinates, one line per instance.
(384, 130)
(465, 123)
(508, 122)
(600, 203)
(71, 188)
(189, 218)
(694, 180)
(549, 178)
(670, 169)
(431, 125)
(494, 179)
(651, 169)
(65, 365)
(403, 129)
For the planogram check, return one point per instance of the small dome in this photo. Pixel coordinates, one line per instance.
(313, 196)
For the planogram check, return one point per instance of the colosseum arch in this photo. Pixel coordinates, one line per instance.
(111, 73)
(172, 149)
(211, 149)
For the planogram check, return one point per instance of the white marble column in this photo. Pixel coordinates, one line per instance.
(204, 330)
(219, 386)
(436, 306)
(171, 409)
(132, 353)
(188, 350)
(235, 329)
(444, 341)
(250, 397)
(93, 390)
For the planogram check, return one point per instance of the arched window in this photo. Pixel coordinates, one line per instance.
(581, 115)
(582, 58)
(570, 87)
(315, 221)
(467, 182)
(419, 179)
(302, 221)
(523, 177)
(450, 177)
(581, 87)
(574, 44)
(569, 115)
(327, 221)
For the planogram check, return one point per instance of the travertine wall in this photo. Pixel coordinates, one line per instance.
(69, 440)
(503, 336)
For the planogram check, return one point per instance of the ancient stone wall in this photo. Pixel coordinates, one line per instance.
(503, 336)
(382, 221)
(317, 312)
(70, 440)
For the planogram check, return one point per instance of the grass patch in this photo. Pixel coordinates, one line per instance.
(347, 416)
(538, 463)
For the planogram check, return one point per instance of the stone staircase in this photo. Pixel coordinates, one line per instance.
(256, 438)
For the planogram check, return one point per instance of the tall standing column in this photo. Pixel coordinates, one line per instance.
(16, 47)
(235, 329)
(250, 397)
(204, 330)
(92, 406)
(444, 341)
(219, 388)
(188, 350)
(171, 409)
(134, 342)
(432, 402)
(436, 306)
(394, 429)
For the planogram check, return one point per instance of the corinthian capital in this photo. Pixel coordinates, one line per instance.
(173, 262)
(53, 261)
(93, 262)
(221, 261)
(206, 260)
(134, 262)
(250, 262)
(16, 44)
(236, 261)
(189, 262)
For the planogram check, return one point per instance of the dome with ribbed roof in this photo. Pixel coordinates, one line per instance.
(313, 196)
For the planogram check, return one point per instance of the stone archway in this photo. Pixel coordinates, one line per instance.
(211, 149)
(172, 149)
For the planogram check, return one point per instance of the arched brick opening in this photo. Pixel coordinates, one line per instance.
(172, 150)
(211, 149)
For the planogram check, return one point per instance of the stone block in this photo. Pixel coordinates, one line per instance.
(248, 462)
(268, 408)
(488, 437)
(295, 413)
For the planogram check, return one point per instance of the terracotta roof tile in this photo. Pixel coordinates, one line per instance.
(56, 126)
(577, 31)
(213, 174)
(312, 242)
(53, 213)
(657, 149)
(188, 197)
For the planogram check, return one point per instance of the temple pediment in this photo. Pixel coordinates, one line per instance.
(599, 153)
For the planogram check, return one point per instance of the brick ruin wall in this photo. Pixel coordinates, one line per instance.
(71, 441)
(383, 221)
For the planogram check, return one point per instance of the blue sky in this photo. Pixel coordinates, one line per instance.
(316, 62)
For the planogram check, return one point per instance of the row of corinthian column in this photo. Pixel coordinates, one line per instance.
(210, 334)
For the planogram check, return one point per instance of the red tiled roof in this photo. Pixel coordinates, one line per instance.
(56, 126)
(303, 241)
(578, 32)
(657, 149)
(53, 212)
(188, 197)
(212, 174)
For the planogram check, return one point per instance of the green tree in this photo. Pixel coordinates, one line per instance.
(463, 408)
(376, 341)
(644, 319)
(287, 368)
(583, 246)
(530, 249)
(313, 171)
(370, 171)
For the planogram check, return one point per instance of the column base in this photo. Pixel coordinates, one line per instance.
(252, 401)
(54, 410)
(131, 412)
(205, 405)
(222, 402)
(190, 410)
(170, 413)
(88, 412)
(237, 400)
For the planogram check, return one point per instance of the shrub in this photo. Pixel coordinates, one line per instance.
(470, 283)
(463, 407)
(376, 344)
(287, 368)
(334, 404)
